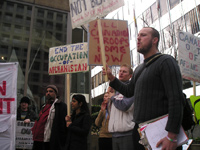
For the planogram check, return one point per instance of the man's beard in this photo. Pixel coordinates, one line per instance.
(146, 49)
(49, 99)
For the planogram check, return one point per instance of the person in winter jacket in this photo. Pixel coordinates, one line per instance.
(24, 113)
(49, 131)
(78, 124)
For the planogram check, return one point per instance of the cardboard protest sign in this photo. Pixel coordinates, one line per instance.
(116, 41)
(84, 11)
(24, 137)
(189, 56)
(8, 98)
(68, 59)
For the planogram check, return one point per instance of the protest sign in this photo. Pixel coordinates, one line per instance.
(189, 56)
(68, 59)
(8, 95)
(84, 11)
(115, 39)
(24, 137)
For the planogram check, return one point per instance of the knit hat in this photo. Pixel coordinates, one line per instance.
(25, 100)
(53, 87)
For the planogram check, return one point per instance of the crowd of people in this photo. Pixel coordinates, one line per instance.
(152, 90)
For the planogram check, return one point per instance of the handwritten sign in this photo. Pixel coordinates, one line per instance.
(24, 137)
(189, 56)
(68, 59)
(116, 42)
(84, 11)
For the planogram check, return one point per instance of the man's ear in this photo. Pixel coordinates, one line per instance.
(155, 40)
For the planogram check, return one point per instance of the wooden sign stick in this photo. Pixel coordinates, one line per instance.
(194, 88)
(68, 94)
(103, 58)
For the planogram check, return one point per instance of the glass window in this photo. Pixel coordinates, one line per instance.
(28, 20)
(59, 36)
(50, 15)
(173, 3)
(93, 78)
(59, 17)
(19, 18)
(39, 23)
(6, 26)
(140, 22)
(29, 10)
(58, 26)
(154, 12)
(4, 49)
(167, 39)
(20, 8)
(18, 29)
(46, 78)
(45, 66)
(46, 56)
(10, 6)
(147, 18)
(49, 25)
(40, 13)
(163, 7)
(8, 16)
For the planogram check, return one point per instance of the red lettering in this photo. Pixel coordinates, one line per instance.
(85, 66)
(50, 70)
(93, 32)
(113, 26)
(3, 88)
(117, 59)
(191, 56)
(97, 58)
(105, 25)
(122, 50)
(98, 49)
(79, 67)
(75, 67)
(1, 106)
(72, 69)
(8, 100)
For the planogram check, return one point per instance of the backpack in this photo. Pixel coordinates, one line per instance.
(187, 121)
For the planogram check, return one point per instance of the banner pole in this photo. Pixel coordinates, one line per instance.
(68, 94)
(103, 58)
(194, 88)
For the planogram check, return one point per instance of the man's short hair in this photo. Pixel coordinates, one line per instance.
(129, 68)
(155, 33)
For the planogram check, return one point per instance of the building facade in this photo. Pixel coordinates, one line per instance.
(28, 28)
(167, 16)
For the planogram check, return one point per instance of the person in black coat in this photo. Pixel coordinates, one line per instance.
(24, 113)
(78, 124)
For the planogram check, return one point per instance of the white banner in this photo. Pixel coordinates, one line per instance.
(8, 98)
(68, 59)
(189, 56)
(84, 11)
(24, 137)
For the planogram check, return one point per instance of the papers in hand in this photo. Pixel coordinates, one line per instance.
(155, 131)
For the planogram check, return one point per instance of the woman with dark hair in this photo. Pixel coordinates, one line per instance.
(78, 124)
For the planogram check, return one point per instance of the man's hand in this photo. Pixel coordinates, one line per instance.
(107, 71)
(166, 144)
(27, 121)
